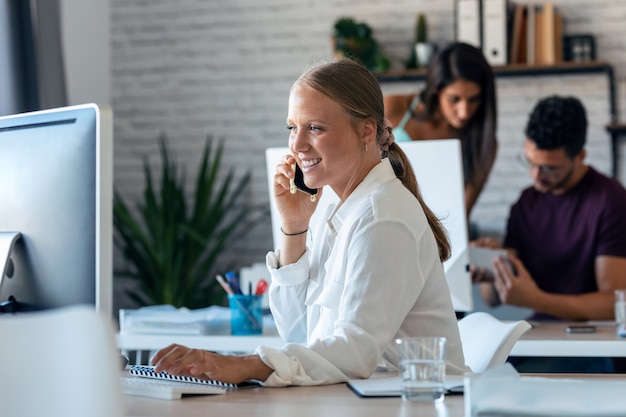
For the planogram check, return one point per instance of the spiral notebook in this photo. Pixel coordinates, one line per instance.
(144, 381)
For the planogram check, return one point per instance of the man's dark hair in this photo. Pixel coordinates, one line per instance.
(558, 122)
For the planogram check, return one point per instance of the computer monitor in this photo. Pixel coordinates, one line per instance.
(438, 166)
(56, 209)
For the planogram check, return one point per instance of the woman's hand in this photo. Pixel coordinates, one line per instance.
(295, 209)
(183, 361)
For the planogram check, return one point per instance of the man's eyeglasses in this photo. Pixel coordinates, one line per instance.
(547, 170)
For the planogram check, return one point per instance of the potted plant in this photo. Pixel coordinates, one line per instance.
(170, 243)
(354, 40)
(423, 49)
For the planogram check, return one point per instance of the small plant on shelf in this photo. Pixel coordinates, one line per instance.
(423, 49)
(421, 29)
(355, 40)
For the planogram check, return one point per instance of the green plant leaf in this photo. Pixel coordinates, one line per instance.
(171, 244)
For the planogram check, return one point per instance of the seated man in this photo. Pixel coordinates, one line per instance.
(567, 233)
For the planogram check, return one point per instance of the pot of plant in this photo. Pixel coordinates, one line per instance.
(171, 240)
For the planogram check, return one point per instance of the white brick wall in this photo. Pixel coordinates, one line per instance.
(192, 68)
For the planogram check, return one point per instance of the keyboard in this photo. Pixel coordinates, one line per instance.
(147, 371)
(166, 389)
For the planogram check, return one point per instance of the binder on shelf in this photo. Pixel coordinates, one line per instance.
(538, 35)
(468, 22)
(548, 35)
(494, 26)
(530, 34)
(517, 54)
(558, 25)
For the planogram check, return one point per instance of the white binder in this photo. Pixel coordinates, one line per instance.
(495, 31)
(468, 22)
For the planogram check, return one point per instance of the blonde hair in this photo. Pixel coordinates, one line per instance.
(356, 89)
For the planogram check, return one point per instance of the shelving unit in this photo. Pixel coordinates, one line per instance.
(617, 131)
(519, 70)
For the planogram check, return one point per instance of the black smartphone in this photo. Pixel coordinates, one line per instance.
(581, 329)
(299, 182)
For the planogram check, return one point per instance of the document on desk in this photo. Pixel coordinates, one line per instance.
(391, 386)
(501, 391)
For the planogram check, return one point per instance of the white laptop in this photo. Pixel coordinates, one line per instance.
(438, 166)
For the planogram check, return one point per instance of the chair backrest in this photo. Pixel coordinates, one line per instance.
(488, 341)
(60, 362)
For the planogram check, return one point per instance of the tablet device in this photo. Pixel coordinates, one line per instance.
(483, 257)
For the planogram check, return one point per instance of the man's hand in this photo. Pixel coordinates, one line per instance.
(486, 242)
(513, 283)
(477, 273)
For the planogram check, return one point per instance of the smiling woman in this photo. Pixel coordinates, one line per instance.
(326, 298)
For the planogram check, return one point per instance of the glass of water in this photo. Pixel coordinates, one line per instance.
(620, 306)
(422, 363)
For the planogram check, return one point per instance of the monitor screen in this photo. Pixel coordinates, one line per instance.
(56, 209)
(438, 166)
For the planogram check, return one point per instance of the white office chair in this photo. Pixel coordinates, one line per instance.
(60, 362)
(488, 341)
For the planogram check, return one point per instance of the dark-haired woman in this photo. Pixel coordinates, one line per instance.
(458, 101)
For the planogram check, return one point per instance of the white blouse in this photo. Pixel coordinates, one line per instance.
(372, 275)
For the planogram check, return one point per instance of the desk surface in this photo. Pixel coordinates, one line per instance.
(319, 401)
(544, 339)
(551, 339)
(332, 400)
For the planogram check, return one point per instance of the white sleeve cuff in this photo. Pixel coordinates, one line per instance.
(292, 274)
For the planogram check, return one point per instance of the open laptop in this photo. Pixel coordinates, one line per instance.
(438, 166)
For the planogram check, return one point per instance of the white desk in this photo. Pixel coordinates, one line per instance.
(551, 339)
(332, 400)
(544, 339)
(126, 341)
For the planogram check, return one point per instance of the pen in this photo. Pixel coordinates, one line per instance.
(220, 279)
(231, 277)
(261, 287)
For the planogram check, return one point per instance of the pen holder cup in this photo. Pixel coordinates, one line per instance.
(246, 314)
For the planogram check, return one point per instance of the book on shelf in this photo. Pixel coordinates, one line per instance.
(544, 35)
(531, 13)
(517, 54)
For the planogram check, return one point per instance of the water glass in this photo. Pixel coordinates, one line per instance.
(422, 363)
(620, 306)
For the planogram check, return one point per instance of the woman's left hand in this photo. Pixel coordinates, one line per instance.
(183, 361)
